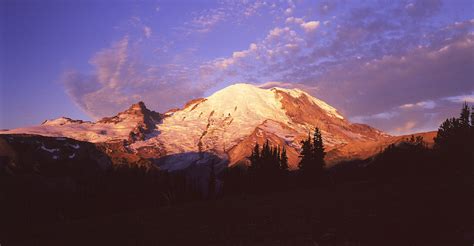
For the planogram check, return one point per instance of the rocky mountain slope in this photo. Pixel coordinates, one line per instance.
(131, 125)
(223, 127)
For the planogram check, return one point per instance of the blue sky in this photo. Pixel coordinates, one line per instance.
(401, 66)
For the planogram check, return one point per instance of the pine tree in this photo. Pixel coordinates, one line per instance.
(284, 160)
(255, 157)
(305, 154)
(255, 168)
(455, 141)
(266, 155)
(312, 158)
(265, 166)
(456, 133)
(464, 118)
(445, 132)
(318, 150)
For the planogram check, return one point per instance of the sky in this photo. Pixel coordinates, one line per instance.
(400, 66)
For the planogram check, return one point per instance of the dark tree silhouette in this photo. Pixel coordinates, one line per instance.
(268, 167)
(284, 160)
(255, 158)
(318, 150)
(305, 154)
(455, 141)
(312, 158)
(464, 118)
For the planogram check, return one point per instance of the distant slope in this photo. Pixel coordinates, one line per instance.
(365, 149)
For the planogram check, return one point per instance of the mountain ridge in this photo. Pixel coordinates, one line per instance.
(226, 124)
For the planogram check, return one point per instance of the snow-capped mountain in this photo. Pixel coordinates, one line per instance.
(229, 122)
(225, 125)
(132, 124)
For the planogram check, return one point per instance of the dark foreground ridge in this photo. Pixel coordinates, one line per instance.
(349, 214)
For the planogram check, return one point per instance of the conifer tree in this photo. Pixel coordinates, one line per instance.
(455, 141)
(283, 160)
(265, 155)
(305, 154)
(312, 158)
(318, 151)
(464, 118)
(276, 159)
(265, 168)
(456, 134)
(255, 157)
(445, 133)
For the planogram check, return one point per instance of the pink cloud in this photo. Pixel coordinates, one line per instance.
(310, 26)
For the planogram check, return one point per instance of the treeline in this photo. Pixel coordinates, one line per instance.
(269, 170)
(451, 159)
(269, 166)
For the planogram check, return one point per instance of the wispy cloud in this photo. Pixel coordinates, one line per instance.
(430, 104)
(422, 8)
(310, 26)
(147, 31)
(295, 20)
(207, 20)
(461, 98)
(233, 12)
(406, 128)
(120, 79)
(416, 117)
(379, 116)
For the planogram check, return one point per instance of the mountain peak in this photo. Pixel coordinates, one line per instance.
(244, 93)
(137, 107)
(136, 110)
(238, 89)
(245, 87)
